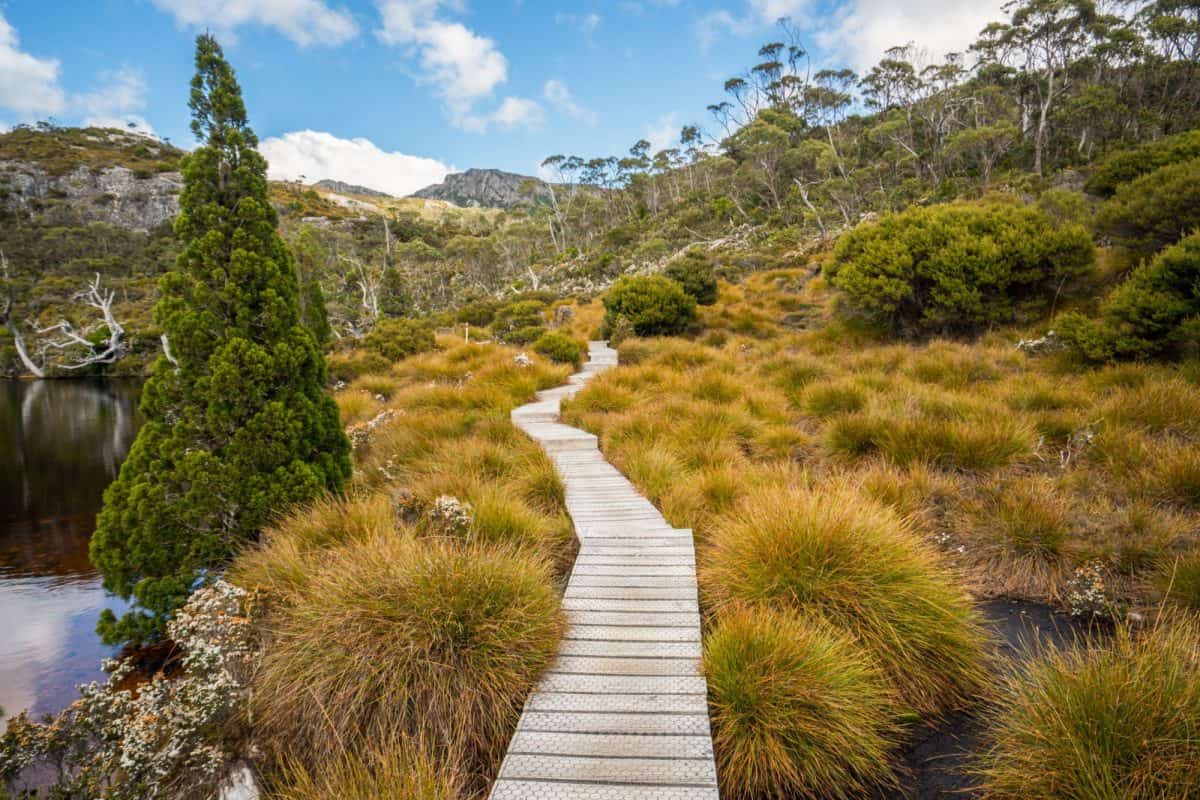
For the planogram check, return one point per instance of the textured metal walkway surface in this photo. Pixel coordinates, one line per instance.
(622, 714)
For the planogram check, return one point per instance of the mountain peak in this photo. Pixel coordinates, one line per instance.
(488, 188)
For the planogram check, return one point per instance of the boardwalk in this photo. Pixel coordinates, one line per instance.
(622, 713)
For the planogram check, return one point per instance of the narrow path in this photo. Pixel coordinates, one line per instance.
(622, 714)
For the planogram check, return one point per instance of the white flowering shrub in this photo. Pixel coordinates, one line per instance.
(1087, 593)
(451, 515)
(360, 433)
(168, 737)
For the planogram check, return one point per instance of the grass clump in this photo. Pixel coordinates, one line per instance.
(396, 636)
(1115, 721)
(797, 708)
(398, 770)
(836, 555)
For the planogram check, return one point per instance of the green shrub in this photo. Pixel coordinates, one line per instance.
(560, 348)
(396, 339)
(958, 267)
(1154, 313)
(1128, 165)
(1154, 211)
(1112, 721)
(479, 313)
(694, 272)
(836, 555)
(653, 304)
(797, 708)
(519, 322)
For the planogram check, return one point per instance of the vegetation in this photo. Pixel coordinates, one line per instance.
(694, 272)
(239, 426)
(440, 568)
(797, 709)
(560, 348)
(1154, 313)
(654, 305)
(837, 557)
(1155, 210)
(957, 268)
(1112, 720)
(395, 339)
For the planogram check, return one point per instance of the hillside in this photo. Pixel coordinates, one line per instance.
(487, 188)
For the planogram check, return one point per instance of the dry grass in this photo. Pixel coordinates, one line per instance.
(797, 709)
(831, 553)
(394, 636)
(383, 627)
(399, 770)
(1114, 721)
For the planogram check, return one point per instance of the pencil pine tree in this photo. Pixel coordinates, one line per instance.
(238, 425)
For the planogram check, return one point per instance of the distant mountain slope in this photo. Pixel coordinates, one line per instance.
(341, 187)
(489, 188)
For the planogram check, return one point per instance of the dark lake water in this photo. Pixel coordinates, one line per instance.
(61, 444)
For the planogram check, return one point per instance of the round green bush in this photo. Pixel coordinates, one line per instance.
(519, 322)
(959, 267)
(1128, 165)
(655, 305)
(560, 348)
(1154, 313)
(694, 272)
(797, 709)
(395, 339)
(1116, 719)
(1155, 210)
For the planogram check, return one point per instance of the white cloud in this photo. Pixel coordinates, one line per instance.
(712, 26)
(462, 66)
(664, 132)
(558, 94)
(115, 103)
(28, 84)
(770, 11)
(861, 30)
(518, 112)
(305, 22)
(585, 23)
(317, 155)
(867, 28)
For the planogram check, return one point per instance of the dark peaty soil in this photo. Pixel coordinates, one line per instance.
(939, 755)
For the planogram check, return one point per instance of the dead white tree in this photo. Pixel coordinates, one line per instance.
(76, 348)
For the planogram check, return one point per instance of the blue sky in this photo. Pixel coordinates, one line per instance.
(393, 93)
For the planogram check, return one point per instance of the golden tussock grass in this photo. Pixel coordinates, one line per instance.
(1111, 721)
(394, 636)
(396, 770)
(829, 552)
(798, 709)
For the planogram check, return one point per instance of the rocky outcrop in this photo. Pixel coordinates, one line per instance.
(487, 188)
(341, 187)
(116, 195)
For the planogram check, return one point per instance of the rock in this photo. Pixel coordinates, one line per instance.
(1050, 343)
(240, 784)
(341, 187)
(563, 315)
(115, 195)
(486, 188)
(1068, 180)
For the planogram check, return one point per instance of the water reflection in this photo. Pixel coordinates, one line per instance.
(61, 444)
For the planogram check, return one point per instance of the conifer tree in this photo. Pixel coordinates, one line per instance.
(238, 425)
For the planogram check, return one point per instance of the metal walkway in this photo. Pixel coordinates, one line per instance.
(622, 714)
